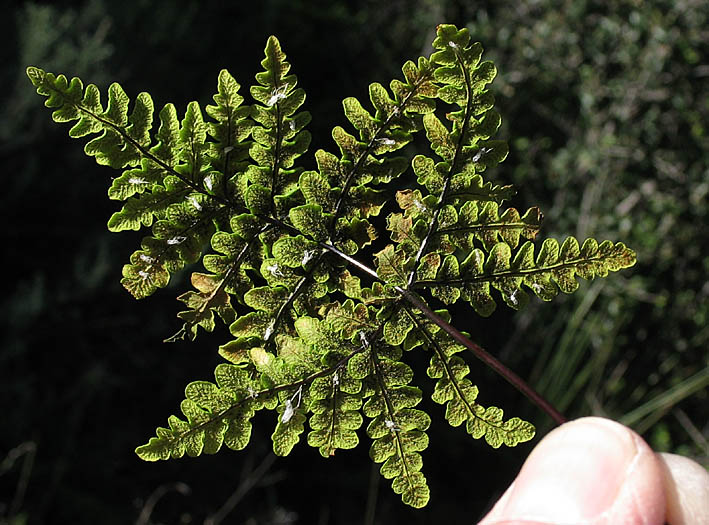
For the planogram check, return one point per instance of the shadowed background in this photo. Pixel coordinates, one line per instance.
(606, 109)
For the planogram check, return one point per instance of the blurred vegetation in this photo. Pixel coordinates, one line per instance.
(606, 107)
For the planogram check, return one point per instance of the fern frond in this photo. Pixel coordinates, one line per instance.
(178, 240)
(346, 187)
(336, 404)
(151, 176)
(169, 185)
(284, 250)
(332, 396)
(216, 414)
(553, 269)
(455, 390)
(229, 152)
(484, 222)
(397, 430)
(266, 188)
(293, 402)
(279, 136)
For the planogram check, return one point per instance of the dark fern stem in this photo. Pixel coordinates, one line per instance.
(454, 333)
(289, 250)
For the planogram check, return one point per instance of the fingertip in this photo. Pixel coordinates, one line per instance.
(590, 470)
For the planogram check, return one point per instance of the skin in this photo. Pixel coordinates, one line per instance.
(596, 471)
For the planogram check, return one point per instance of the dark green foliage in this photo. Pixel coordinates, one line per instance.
(281, 247)
(607, 105)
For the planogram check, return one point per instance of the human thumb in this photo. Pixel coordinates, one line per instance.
(588, 471)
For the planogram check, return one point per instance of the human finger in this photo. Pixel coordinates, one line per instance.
(686, 486)
(588, 471)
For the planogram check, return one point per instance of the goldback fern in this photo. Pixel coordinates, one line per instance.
(321, 305)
